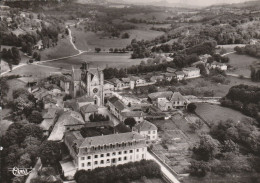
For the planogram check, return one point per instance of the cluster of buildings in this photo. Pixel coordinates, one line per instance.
(64, 119)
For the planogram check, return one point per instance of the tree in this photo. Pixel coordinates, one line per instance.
(207, 149)
(191, 107)
(35, 117)
(35, 55)
(16, 56)
(39, 57)
(97, 50)
(50, 152)
(130, 122)
(31, 130)
(125, 35)
(198, 168)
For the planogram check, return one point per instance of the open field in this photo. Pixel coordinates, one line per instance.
(159, 16)
(34, 71)
(13, 85)
(230, 47)
(96, 59)
(214, 113)
(90, 40)
(220, 90)
(63, 49)
(241, 63)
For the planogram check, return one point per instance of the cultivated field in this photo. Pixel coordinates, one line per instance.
(96, 59)
(241, 63)
(214, 113)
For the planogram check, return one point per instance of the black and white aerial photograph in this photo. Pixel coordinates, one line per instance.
(130, 91)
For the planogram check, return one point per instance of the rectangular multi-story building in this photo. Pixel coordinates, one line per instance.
(108, 150)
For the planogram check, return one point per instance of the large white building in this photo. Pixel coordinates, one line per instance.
(102, 151)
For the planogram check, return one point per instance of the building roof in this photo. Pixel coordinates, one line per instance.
(218, 63)
(169, 74)
(113, 99)
(99, 124)
(108, 139)
(49, 100)
(67, 118)
(156, 95)
(176, 96)
(85, 99)
(89, 108)
(145, 126)
(126, 80)
(46, 124)
(50, 114)
(179, 73)
(170, 70)
(134, 78)
(190, 69)
(119, 105)
(115, 80)
(72, 104)
(132, 114)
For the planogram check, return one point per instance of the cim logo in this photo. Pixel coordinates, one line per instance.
(19, 172)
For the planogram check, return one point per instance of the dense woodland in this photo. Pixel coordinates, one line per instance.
(244, 98)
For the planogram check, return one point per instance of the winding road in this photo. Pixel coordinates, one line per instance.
(44, 61)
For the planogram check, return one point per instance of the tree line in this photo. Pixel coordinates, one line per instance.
(244, 98)
(121, 173)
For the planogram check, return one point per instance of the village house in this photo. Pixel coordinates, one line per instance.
(169, 76)
(156, 78)
(191, 72)
(116, 106)
(108, 88)
(126, 81)
(102, 151)
(117, 83)
(168, 100)
(70, 105)
(137, 80)
(87, 110)
(147, 130)
(49, 103)
(137, 115)
(218, 65)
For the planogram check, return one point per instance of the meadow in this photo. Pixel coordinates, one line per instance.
(241, 63)
(96, 59)
(214, 113)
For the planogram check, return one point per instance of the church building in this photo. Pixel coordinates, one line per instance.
(88, 82)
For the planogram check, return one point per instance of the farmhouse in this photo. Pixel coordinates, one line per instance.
(180, 75)
(191, 72)
(103, 151)
(218, 65)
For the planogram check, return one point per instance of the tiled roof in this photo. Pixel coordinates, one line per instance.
(179, 73)
(177, 97)
(145, 126)
(155, 96)
(171, 70)
(126, 80)
(85, 99)
(119, 105)
(89, 108)
(132, 114)
(46, 124)
(109, 139)
(115, 81)
(113, 99)
(67, 118)
(190, 69)
(49, 100)
(134, 78)
(71, 104)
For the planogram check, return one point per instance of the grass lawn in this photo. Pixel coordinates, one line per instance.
(214, 113)
(241, 63)
(13, 85)
(63, 49)
(96, 59)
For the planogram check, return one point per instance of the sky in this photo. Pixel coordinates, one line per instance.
(196, 2)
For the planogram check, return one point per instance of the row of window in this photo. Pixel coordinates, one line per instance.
(114, 160)
(149, 132)
(113, 154)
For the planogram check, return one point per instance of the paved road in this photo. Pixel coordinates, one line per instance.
(165, 171)
(35, 170)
